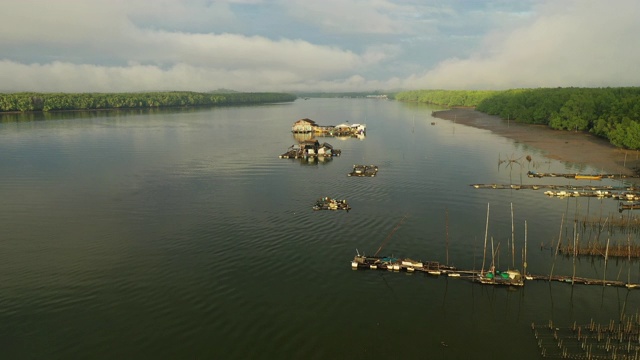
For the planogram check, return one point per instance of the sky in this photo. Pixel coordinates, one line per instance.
(311, 46)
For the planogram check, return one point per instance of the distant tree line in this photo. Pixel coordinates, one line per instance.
(467, 98)
(352, 94)
(23, 102)
(611, 113)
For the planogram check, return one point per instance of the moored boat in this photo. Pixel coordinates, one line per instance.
(496, 277)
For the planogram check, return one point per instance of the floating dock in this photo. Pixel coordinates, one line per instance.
(491, 277)
(364, 170)
(563, 191)
(397, 264)
(327, 203)
(555, 187)
(310, 148)
(578, 176)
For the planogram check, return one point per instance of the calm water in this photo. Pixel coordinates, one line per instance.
(181, 234)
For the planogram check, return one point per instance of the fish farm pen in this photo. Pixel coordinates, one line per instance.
(616, 340)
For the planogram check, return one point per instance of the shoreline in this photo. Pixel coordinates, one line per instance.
(573, 147)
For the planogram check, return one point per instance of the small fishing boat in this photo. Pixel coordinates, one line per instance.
(631, 206)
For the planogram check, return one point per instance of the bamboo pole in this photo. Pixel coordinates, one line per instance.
(575, 249)
(557, 248)
(446, 211)
(513, 251)
(524, 265)
(606, 255)
(486, 231)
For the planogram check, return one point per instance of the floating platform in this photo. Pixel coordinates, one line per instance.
(492, 277)
(564, 191)
(364, 170)
(397, 264)
(327, 203)
(555, 187)
(310, 148)
(578, 176)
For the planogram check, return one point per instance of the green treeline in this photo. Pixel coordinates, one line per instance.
(22, 102)
(446, 97)
(611, 113)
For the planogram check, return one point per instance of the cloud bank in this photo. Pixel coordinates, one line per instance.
(346, 45)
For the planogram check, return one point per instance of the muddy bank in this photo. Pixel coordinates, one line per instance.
(568, 146)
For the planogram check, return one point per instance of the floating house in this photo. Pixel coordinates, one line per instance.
(303, 126)
(349, 130)
(308, 126)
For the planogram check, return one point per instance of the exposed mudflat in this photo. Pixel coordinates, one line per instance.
(568, 146)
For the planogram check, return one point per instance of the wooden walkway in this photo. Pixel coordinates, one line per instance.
(437, 269)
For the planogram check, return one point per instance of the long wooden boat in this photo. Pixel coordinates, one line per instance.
(588, 177)
(630, 206)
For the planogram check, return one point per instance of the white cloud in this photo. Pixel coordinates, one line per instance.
(352, 16)
(134, 45)
(569, 43)
(67, 77)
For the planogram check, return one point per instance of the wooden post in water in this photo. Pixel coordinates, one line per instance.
(447, 239)
(524, 264)
(629, 248)
(606, 255)
(484, 255)
(575, 242)
(553, 264)
(513, 251)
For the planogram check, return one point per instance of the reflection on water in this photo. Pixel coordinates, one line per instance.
(182, 234)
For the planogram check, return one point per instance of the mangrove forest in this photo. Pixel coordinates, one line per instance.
(610, 113)
(30, 101)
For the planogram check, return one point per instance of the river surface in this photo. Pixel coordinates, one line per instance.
(181, 234)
